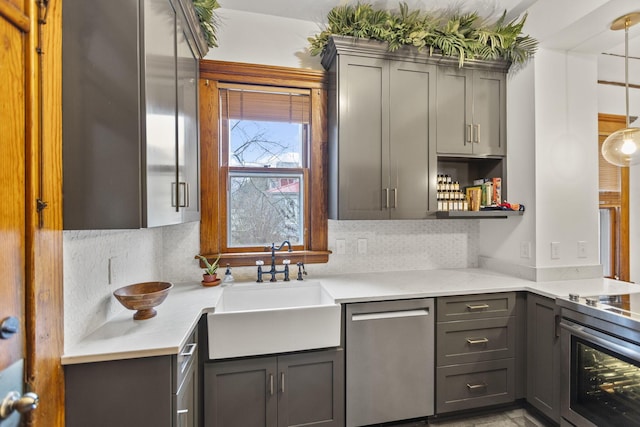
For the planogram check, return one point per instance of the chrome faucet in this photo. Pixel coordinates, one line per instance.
(273, 271)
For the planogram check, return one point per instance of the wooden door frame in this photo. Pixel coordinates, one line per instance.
(607, 124)
(41, 24)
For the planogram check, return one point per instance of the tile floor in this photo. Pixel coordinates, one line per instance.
(507, 418)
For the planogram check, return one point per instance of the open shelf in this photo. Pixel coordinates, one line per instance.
(477, 214)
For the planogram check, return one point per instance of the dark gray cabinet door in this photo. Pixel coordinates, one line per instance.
(412, 128)
(311, 389)
(123, 393)
(360, 166)
(289, 390)
(543, 356)
(381, 159)
(489, 113)
(471, 112)
(188, 154)
(455, 113)
(241, 393)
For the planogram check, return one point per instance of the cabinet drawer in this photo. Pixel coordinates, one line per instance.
(476, 306)
(186, 357)
(475, 340)
(474, 385)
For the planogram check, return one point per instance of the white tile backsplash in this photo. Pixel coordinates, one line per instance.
(167, 253)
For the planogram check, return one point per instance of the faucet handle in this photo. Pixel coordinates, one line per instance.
(259, 262)
(286, 261)
(301, 270)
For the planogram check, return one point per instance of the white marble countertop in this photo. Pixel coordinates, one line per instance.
(125, 338)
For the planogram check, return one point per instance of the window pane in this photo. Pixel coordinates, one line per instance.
(266, 144)
(265, 209)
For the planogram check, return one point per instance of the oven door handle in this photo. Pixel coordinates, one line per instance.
(582, 333)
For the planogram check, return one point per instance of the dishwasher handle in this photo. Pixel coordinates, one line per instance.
(389, 314)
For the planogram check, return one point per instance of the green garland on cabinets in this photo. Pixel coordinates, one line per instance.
(208, 20)
(451, 33)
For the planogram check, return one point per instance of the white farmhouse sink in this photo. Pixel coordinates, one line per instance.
(273, 318)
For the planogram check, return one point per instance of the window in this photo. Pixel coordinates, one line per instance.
(263, 143)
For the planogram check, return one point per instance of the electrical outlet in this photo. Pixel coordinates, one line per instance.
(525, 249)
(362, 246)
(555, 250)
(582, 249)
(341, 246)
(112, 270)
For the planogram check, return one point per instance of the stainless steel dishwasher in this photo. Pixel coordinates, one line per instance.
(390, 361)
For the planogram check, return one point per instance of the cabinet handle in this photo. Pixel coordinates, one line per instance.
(477, 341)
(183, 414)
(270, 384)
(282, 382)
(395, 198)
(185, 193)
(386, 198)
(477, 307)
(557, 325)
(476, 137)
(472, 387)
(469, 133)
(191, 349)
(182, 194)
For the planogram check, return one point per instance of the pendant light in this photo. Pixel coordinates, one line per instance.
(622, 148)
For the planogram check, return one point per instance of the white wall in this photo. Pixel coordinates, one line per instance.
(262, 39)
(567, 157)
(500, 240)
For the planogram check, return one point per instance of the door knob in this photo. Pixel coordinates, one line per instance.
(8, 327)
(14, 402)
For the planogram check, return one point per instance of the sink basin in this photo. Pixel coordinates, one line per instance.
(273, 318)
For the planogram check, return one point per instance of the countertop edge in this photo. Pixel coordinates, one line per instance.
(122, 338)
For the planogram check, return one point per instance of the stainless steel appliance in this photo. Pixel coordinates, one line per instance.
(389, 361)
(600, 342)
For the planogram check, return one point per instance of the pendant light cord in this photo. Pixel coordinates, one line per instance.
(626, 65)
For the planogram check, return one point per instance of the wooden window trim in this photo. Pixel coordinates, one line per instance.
(213, 213)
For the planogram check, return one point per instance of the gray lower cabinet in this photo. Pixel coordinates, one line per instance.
(160, 391)
(286, 390)
(381, 117)
(471, 111)
(543, 355)
(476, 349)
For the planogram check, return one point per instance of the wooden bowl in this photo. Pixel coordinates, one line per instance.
(143, 297)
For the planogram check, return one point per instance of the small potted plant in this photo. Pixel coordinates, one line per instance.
(209, 277)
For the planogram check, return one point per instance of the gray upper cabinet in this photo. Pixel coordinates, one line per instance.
(381, 133)
(471, 111)
(130, 134)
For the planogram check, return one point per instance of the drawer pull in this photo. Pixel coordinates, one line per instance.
(189, 350)
(472, 341)
(473, 387)
(270, 384)
(477, 307)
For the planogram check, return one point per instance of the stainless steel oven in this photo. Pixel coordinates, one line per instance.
(601, 366)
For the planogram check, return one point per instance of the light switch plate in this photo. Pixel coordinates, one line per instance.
(362, 246)
(555, 250)
(341, 246)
